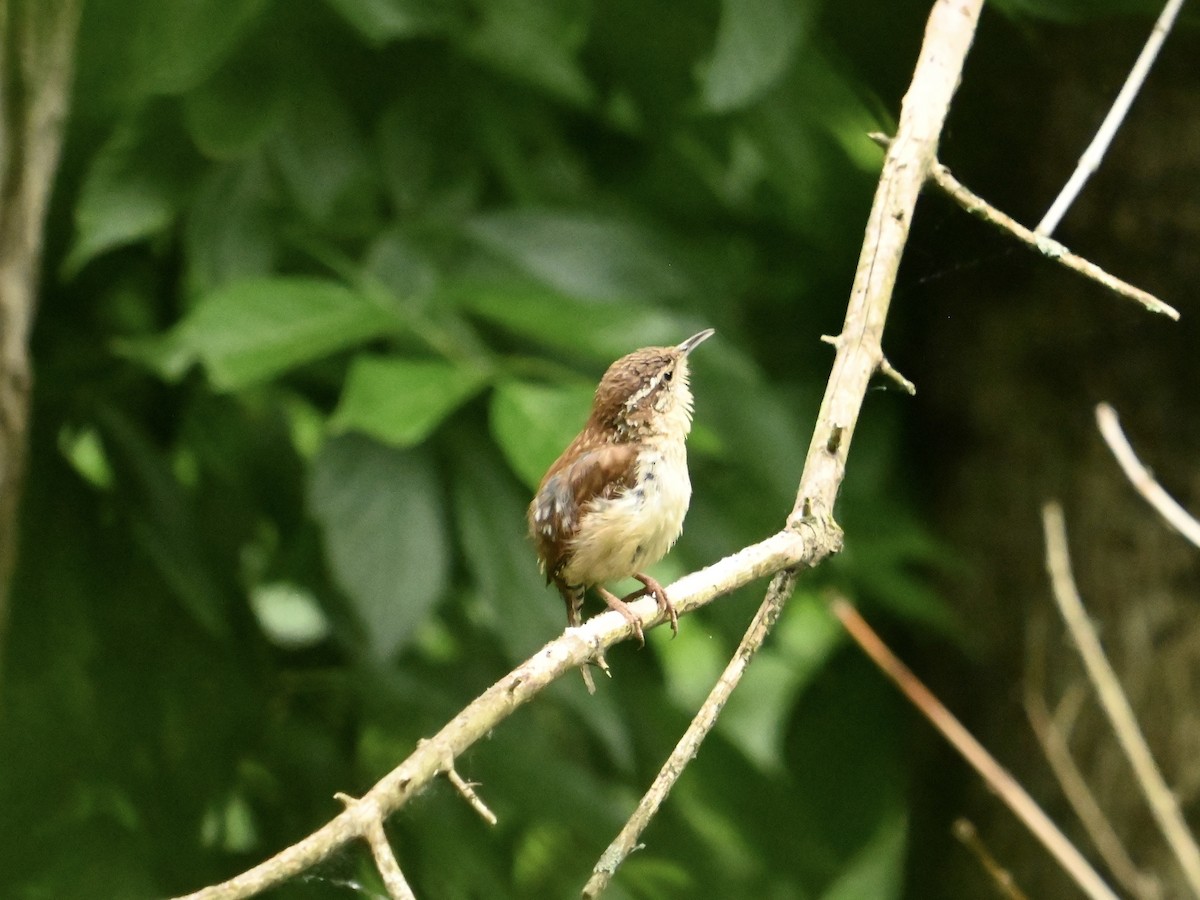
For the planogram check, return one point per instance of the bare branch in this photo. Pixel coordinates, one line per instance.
(1113, 700)
(1079, 795)
(381, 850)
(783, 550)
(626, 840)
(1094, 154)
(1141, 479)
(890, 371)
(385, 861)
(467, 789)
(1047, 246)
(997, 777)
(948, 36)
(969, 837)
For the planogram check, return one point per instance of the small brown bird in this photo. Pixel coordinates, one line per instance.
(613, 503)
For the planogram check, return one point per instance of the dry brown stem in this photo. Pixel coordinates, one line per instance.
(968, 836)
(1113, 701)
(997, 777)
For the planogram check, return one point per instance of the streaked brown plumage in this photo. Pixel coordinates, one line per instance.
(613, 503)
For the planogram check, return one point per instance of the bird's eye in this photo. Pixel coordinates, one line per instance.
(667, 375)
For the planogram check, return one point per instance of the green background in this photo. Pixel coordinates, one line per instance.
(327, 286)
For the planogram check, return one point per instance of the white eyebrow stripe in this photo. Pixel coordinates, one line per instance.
(644, 392)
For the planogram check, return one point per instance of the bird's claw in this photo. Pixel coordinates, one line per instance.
(659, 593)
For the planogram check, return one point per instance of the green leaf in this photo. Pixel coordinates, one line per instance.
(84, 449)
(382, 21)
(756, 42)
(401, 266)
(231, 114)
(232, 230)
(323, 159)
(755, 718)
(601, 332)
(535, 41)
(401, 401)
(533, 424)
(164, 523)
(289, 614)
(585, 255)
(490, 515)
(134, 188)
(252, 331)
(380, 512)
(130, 51)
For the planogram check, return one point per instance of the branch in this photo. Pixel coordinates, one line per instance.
(1141, 479)
(997, 777)
(948, 36)
(685, 751)
(467, 789)
(969, 837)
(1047, 246)
(786, 549)
(1113, 700)
(1094, 154)
(1079, 795)
(381, 851)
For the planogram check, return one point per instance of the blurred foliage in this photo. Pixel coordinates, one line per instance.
(328, 286)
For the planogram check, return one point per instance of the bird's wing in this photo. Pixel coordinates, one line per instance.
(604, 471)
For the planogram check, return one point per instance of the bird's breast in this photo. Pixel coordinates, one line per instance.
(621, 535)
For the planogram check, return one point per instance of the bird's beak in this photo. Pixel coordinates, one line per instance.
(695, 341)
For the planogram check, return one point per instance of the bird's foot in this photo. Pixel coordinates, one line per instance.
(615, 602)
(659, 593)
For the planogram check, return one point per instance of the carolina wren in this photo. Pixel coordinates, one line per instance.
(613, 503)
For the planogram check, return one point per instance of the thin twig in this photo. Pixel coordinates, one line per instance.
(1089, 162)
(1047, 246)
(890, 371)
(626, 840)
(1057, 751)
(467, 789)
(381, 849)
(948, 36)
(1113, 700)
(385, 862)
(1141, 479)
(997, 777)
(969, 837)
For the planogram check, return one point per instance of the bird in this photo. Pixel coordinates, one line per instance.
(614, 501)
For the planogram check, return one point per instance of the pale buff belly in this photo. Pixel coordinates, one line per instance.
(625, 534)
